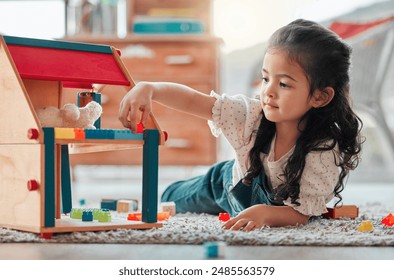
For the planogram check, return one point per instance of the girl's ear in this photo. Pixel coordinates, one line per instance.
(321, 98)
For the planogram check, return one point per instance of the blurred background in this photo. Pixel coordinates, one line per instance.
(226, 41)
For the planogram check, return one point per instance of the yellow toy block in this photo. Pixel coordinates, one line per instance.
(365, 226)
(64, 133)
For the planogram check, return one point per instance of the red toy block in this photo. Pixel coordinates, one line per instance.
(140, 128)
(224, 217)
(46, 235)
(388, 220)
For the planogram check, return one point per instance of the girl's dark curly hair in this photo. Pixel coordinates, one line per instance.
(325, 59)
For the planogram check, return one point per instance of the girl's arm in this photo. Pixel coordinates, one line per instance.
(261, 215)
(176, 96)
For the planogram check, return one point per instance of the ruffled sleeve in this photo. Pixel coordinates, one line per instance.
(317, 183)
(235, 117)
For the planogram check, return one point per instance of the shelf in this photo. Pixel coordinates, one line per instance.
(100, 39)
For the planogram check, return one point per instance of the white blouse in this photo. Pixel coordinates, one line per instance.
(236, 117)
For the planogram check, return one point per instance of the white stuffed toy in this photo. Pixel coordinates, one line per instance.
(70, 115)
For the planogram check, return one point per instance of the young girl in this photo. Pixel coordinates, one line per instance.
(294, 145)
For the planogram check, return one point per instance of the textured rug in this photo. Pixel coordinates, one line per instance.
(197, 229)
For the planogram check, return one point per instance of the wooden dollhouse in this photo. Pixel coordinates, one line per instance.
(35, 185)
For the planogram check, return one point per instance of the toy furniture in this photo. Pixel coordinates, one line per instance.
(35, 191)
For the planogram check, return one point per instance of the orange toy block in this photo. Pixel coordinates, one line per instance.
(79, 133)
(344, 211)
(136, 216)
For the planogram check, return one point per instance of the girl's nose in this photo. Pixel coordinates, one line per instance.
(268, 90)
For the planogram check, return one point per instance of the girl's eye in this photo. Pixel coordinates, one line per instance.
(264, 79)
(283, 85)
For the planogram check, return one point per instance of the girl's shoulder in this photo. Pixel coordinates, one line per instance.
(326, 157)
(237, 99)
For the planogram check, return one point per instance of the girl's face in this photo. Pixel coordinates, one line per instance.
(285, 89)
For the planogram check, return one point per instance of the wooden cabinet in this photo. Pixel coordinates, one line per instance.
(190, 59)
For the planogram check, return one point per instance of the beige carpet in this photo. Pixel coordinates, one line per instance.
(197, 229)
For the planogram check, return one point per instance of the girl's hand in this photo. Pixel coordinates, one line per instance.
(259, 215)
(138, 100)
(247, 220)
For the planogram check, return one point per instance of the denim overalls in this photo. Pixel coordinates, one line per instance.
(214, 192)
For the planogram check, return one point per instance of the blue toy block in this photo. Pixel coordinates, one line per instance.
(99, 134)
(127, 134)
(109, 204)
(87, 216)
(214, 249)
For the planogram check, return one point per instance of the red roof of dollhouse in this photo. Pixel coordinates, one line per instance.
(76, 65)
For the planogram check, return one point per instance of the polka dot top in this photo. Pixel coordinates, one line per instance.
(237, 117)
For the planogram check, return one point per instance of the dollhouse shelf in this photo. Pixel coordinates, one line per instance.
(35, 187)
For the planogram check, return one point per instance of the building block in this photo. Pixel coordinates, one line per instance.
(64, 133)
(168, 207)
(125, 206)
(137, 216)
(109, 204)
(365, 226)
(162, 216)
(46, 235)
(104, 217)
(214, 249)
(79, 133)
(388, 220)
(76, 213)
(224, 217)
(345, 211)
(140, 128)
(99, 134)
(87, 216)
(127, 134)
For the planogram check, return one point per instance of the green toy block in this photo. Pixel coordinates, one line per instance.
(104, 217)
(76, 213)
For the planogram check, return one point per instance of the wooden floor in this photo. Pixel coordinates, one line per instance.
(186, 252)
(354, 194)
